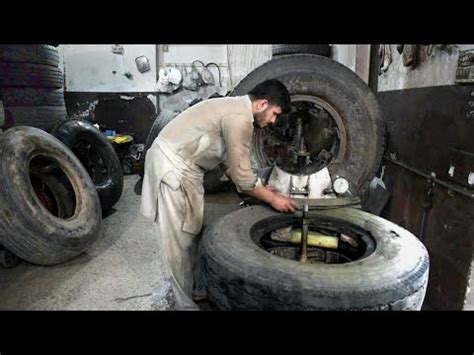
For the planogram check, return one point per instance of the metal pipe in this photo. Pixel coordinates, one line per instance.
(448, 185)
(427, 205)
(304, 235)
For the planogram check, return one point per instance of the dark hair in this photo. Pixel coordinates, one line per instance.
(274, 91)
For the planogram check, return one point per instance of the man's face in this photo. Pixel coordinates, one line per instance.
(267, 116)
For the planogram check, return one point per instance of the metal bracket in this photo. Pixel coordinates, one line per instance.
(300, 186)
(450, 186)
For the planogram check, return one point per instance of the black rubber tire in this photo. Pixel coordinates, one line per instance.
(318, 49)
(44, 117)
(27, 228)
(161, 120)
(165, 117)
(63, 196)
(242, 276)
(212, 178)
(347, 94)
(8, 259)
(30, 75)
(32, 97)
(37, 54)
(214, 183)
(110, 189)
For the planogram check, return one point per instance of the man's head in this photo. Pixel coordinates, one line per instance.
(269, 99)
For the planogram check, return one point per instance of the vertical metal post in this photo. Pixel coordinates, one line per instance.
(304, 235)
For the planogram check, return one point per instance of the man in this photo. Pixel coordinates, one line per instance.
(200, 138)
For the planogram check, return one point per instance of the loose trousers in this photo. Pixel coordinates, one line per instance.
(179, 249)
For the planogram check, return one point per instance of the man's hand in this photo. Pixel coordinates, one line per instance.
(271, 196)
(283, 204)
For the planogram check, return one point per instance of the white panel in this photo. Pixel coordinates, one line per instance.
(245, 58)
(89, 68)
(345, 54)
(188, 53)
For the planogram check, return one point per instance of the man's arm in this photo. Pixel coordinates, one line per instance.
(237, 134)
(279, 202)
(270, 195)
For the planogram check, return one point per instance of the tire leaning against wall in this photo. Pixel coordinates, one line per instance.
(161, 120)
(43, 117)
(32, 97)
(31, 85)
(341, 89)
(27, 227)
(30, 75)
(35, 54)
(213, 182)
(95, 152)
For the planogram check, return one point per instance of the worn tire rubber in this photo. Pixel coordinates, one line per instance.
(212, 178)
(37, 54)
(30, 75)
(161, 120)
(242, 276)
(63, 195)
(347, 94)
(213, 182)
(318, 49)
(165, 117)
(44, 117)
(32, 97)
(8, 259)
(70, 132)
(27, 228)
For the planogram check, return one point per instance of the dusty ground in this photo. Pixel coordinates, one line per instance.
(122, 271)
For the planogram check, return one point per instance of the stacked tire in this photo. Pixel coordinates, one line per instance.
(31, 86)
(52, 189)
(285, 49)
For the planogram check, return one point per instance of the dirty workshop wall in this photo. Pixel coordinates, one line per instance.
(104, 85)
(430, 133)
(234, 62)
(436, 66)
(420, 99)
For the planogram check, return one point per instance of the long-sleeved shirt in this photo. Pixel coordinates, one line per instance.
(216, 131)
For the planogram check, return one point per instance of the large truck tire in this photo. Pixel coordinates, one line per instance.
(36, 223)
(242, 270)
(318, 49)
(97, 155)
(343, 115)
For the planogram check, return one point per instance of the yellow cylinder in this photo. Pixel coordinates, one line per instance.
(315, 239)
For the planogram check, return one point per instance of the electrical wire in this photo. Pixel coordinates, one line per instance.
(218, 70)
(197, 60)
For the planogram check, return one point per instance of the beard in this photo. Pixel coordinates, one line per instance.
(258, 118)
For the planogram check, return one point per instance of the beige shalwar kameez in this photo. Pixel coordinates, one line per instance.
(212, 132)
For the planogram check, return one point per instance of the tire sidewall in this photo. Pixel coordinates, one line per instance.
(396, 269)
(70, 131)
(24, 219)
(347, 94)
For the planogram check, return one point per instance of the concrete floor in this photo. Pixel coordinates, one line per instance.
(122, 271)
